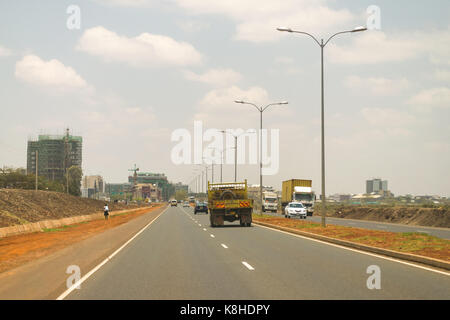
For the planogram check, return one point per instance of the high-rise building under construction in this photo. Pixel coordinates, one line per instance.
(54, 154)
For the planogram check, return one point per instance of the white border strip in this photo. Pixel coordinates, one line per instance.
(358, 251)
(90, 273)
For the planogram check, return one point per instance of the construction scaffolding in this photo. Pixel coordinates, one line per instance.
(56, 154)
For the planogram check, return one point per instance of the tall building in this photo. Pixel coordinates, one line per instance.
(376, 185)
(148, 191)
(122, 189)
(55, 154)
(180, 186)
(159, 179)
(93, 182)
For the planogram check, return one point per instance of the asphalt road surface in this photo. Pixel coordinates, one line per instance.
(179, 256)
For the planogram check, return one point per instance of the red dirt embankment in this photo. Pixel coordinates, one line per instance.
(25, 206)
(17, 250)
(432, 217)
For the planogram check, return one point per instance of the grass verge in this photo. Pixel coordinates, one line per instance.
(408, 242)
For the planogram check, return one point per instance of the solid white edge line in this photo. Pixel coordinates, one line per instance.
(87, 275)
(249, 267)
(359, 251)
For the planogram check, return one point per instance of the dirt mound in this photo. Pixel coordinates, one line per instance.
(25, 206)
(433, 217)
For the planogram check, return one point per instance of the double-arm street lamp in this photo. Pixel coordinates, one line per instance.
(205, 166)
(261, 110)
(322, 45)
(212, 168)
(221, 159)
(235, 149)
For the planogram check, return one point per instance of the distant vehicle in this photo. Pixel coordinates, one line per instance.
(298, 190)
(186, 204)
(295, 209)
(270, 201)
(229, 202)
(173, 203)
(192, 199)
(201, 207)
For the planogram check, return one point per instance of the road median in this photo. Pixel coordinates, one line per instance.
(294, 227)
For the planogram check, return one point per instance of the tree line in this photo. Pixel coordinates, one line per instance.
(16, 178)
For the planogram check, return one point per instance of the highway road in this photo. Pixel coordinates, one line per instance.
(179, 256)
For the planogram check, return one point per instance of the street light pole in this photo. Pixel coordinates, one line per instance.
(235, 158)
(323, 138)
(221, 159)
(37, 170)
(235, 149)
(261, 110)
(322, 46)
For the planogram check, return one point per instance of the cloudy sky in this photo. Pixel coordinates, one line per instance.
(136, 70)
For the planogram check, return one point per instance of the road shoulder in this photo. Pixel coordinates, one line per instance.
(45, 278)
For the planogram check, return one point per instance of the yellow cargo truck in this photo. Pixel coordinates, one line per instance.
(298, 190)
(229, 202)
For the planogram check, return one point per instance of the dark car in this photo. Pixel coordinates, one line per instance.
(201, 207)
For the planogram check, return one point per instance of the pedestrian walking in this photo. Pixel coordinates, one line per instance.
(106, 211)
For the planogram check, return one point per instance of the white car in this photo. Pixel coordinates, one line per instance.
(295, 209)
(186, 204)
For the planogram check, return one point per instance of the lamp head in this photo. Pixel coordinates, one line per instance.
(358, 29)
(284, 29)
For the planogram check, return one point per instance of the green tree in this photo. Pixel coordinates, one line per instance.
(18, 179)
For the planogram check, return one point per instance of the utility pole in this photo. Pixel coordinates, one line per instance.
(37, 170)
(66, 158)
(134, 170)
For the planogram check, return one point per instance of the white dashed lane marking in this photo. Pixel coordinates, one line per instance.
(249, 267)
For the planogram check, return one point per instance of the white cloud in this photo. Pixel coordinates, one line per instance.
(442, 75)
(218, 109)
(127, 3)
(258, 19)
(377, 86)
(283, 60)
(215, 77)
(372, 47)
(50, 74)
(428, 99)
(144, 50)
(387, 117)
(192, 26)
(285, 65)
(5, 52)
(117, 122)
